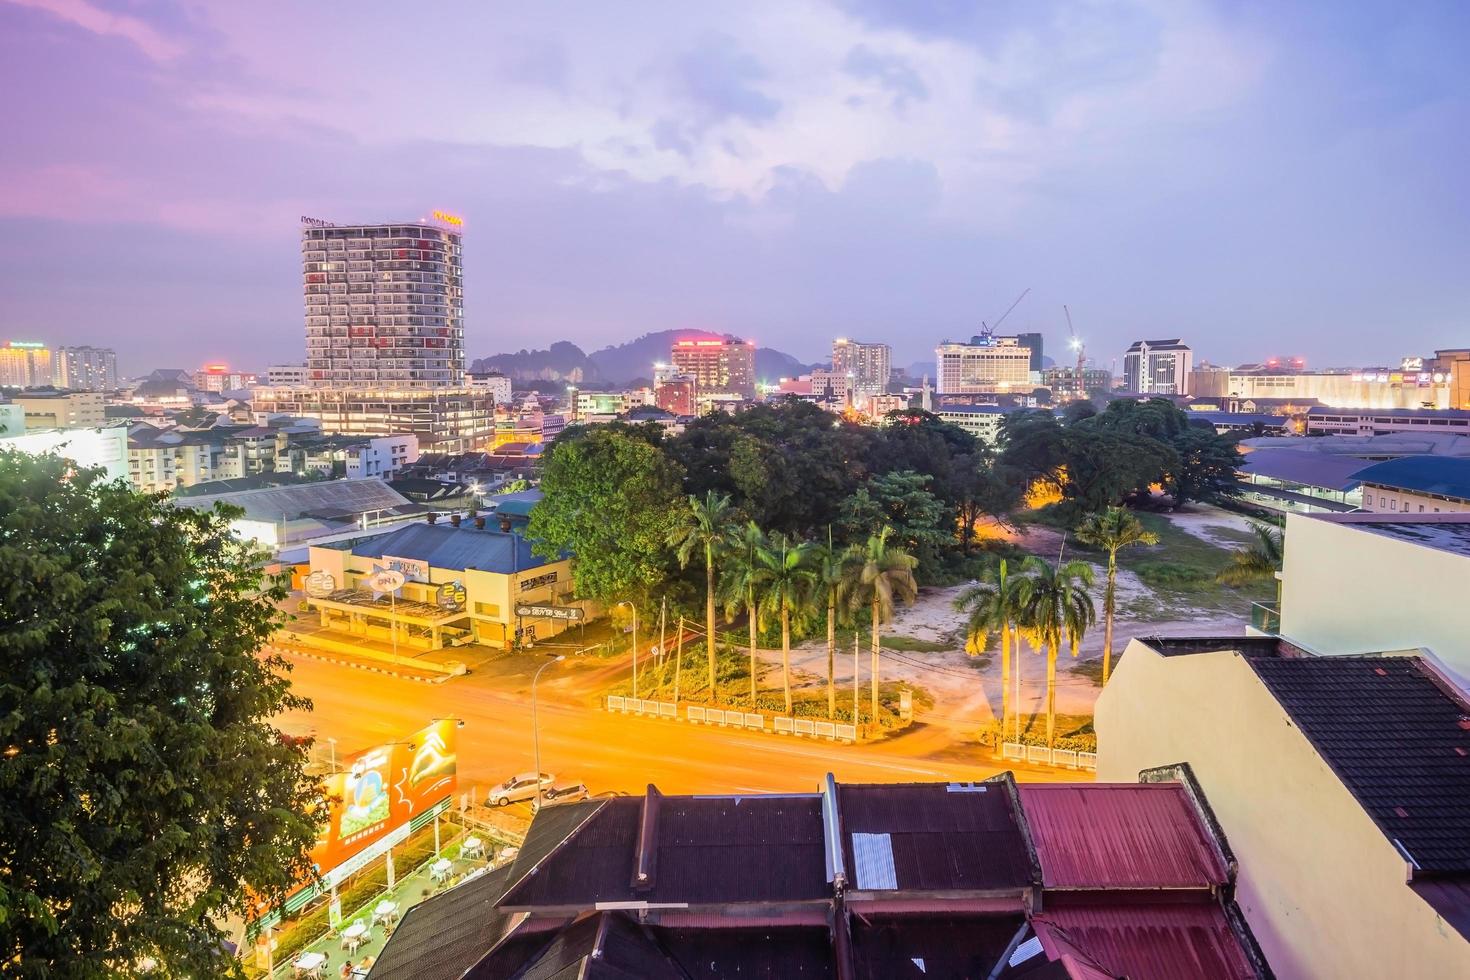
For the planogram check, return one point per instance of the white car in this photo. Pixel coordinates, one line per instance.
(518, 787)
(564, 793)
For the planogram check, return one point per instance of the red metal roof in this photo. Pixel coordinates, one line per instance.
(1117, 836)
(1149, 942)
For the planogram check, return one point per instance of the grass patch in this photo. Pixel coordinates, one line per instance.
(1182, 566)
(1091, 669)
(912, 644)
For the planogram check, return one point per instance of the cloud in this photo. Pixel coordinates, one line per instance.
(893, 74)
(89, 17)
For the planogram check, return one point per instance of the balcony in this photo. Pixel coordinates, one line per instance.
(1266, 618)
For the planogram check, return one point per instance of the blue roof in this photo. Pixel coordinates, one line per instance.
(446, 546)
(1239, 418)
(1448, 476)
(1430, 413)
(1303, 467)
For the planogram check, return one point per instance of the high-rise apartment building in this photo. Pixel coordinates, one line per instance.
(218, 378)
(1158, 367)
(718, 367)
(384, 305)
(86, 368)
(868, 364)
(445, 420)
(26, 364)
(993, 364)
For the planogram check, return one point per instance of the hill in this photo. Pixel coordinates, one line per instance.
(620, 364)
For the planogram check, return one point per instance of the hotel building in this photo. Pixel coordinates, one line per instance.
(86, 368)
(717, 366)
(1158, 367)
(868, 364)
(999, 364)
(25, 364)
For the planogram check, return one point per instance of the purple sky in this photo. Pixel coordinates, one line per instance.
(1259, 178)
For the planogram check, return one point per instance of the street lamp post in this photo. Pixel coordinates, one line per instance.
(333, 743)
(536, 731)
(625, 602)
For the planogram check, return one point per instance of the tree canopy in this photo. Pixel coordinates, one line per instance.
(143, 789)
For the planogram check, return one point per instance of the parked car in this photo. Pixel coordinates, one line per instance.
(518, 787)
(564, 793)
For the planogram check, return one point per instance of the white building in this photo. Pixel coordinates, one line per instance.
(62, 409)
(981, 421)
(1384, 421)
(86, 368)
(496, 385)
(1001, 364)
(1158, 367)
(384, 305)
(104, 446)
(287, 375)
(868, 364)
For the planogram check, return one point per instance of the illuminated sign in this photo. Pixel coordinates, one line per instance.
(25, 345)
(532, 610)
(316, 222)
(449, 219)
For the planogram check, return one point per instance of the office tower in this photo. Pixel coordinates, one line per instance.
(991, 364)
(384, 305)
(86, 368)
(25, 364)
(1158, 367)
(868, 364)
(717, 366)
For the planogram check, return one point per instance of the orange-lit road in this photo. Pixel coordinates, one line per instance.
(609, 752)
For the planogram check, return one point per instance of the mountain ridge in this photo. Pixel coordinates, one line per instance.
(622, 363)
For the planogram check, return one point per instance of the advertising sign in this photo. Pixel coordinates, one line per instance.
(412, 569)
(385, 580)
(452, 595)
(320, 584)
(571, 613)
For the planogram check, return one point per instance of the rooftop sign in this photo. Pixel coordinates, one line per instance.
(449, 219)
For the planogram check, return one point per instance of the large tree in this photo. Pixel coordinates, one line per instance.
(885, 573)
(992, 606)
(784, 581)
(611, 499)
(837, 573)
(901, 501)
(738, 586)
(144, 792)
(703, 527)
(1112, 530)
(1054, 608)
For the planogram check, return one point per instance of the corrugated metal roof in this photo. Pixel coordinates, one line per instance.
(1447, 476)
(1149, 942)
(446, 546)
(1123, 835)
(1306, 468)
(940, 840)
(923, 947)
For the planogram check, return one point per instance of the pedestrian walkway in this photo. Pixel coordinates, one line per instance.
(409, 891)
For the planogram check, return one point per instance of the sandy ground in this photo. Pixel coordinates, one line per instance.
(966, 689)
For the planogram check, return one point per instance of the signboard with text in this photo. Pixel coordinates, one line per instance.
(570, 613)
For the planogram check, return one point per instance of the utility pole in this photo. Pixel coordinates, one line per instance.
(678, 658)
(856, 713)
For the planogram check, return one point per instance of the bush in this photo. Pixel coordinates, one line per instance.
(1083, 739)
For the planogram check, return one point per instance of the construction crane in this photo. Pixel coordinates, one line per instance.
(1077, 345)
(987, 333)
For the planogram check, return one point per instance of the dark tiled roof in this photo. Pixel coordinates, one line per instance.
(911, 947)
(441, 938)
(1395, 737)
(751, 953)
(939, 839)
(1120, 836)
(446, 546)
(602, 946)
(1447, 476)
(1183, 646)
(709, 850)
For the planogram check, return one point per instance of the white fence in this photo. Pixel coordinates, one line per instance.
(732, 718)
(1041, 755)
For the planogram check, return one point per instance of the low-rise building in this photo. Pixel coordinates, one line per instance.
(351, 457)
(1417, 485)
(57, 409)
(981, 421)
(466, 579)
(287, 375)
(494, 383)
(105, 447)
(443, 419)
(1295, 481)
(1322, 421)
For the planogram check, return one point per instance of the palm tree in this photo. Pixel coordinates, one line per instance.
(704, 526)
(884, 573)
(837, 574)
(992, 607)
(1113, 530)
(740, 582)
(1257, 561)
(1054, 607)
(785, 578)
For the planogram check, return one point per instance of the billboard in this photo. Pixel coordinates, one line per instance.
(381, 790)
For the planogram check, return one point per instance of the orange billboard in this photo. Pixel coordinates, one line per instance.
(382, 789)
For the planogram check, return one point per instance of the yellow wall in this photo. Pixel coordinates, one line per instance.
(1324, 891)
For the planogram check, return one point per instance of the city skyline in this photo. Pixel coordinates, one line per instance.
(1247, 179)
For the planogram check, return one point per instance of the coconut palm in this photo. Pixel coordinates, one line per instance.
(1113, 530)
(837, 574)
(992, 607)
(885, 573)
(784, 579)
(704, 526)
(1257, 561)
(739, 585)
(1054, 606)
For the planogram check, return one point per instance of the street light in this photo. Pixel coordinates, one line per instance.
(625, 602)
(535, 731)
(333, 743)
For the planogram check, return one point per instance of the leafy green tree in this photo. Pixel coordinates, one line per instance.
(703, 527)
(1113, 530)
(885, 573)
(1207, 467)
(144, 791)
(1032, 446)
(837, 574)
(984, 488)
(1055, 607)
(739, 583)
(784, 580)
(1258, 561)
(902, 502)
(1102, 468)
(993, 606)
(611, 499)
(1077, 411)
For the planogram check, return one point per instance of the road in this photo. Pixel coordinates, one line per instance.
(610, 752)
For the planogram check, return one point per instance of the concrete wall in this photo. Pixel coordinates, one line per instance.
(1388, 500)
(1324, 891)
(1350, 590)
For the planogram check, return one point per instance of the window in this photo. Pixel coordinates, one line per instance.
(487, 609)
(1421, 508)
(1394, 505)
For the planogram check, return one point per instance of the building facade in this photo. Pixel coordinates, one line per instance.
(1322, 421)
(1416, 485)
(26, 364)
(86, 368)
(62, 409)
(718, 367)
(675, 395)
(1065, 382)
(219, 378)
(1380, 389)
(869, 364)
(384, 306)
(981, 421)
(287, 375)
(105, 447)
(1158, 367)
(1000, 364)
(496, 385)
(443, 420)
